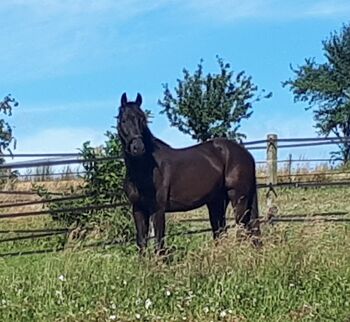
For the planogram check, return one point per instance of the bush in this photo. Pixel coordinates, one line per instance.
(103, 185)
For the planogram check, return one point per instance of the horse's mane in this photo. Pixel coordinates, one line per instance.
(154, 140)
(159, 141)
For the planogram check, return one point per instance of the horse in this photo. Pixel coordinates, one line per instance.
(162, 179)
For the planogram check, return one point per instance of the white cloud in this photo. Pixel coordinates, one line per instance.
(59, 37)
(122, 9)
(225, 11)
(329, 9)
(46, 38)
(69, 107)
(55, 140)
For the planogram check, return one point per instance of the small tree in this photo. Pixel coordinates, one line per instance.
(7, 140)
(212, 105)
(6, 136)
(326, 89)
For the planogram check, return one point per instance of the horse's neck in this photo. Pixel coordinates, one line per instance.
(161, 144)
(143, 166)
(153, 143)
(140, 168)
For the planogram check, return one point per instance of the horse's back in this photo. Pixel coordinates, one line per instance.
(195, 175)
(199, 173)
(239, 165)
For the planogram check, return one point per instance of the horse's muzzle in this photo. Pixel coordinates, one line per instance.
(137, 147)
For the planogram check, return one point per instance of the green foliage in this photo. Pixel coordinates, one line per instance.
(212, 105)
(7, 140)
(326, 89)
(103, 185)
(6, 135)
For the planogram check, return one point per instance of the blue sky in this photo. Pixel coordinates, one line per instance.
(68, 61)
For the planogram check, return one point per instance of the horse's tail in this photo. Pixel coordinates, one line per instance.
(255, 204)
(254, 212)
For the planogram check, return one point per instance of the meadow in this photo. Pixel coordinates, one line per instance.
(301, 274)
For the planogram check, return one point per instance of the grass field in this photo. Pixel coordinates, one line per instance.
(301, 274)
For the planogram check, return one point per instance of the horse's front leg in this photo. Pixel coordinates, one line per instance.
(162, 182)
(142, 226)
(159, 230)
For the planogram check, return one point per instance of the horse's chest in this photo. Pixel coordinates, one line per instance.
(142, 191)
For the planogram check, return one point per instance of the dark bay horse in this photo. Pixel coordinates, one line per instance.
(162, 179)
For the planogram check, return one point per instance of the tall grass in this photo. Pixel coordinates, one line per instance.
(301, 274)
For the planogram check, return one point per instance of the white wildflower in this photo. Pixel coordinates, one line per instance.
(3, 302)
(113, 306)
(148, 304)
(113, 317)
(206, 310)
(59, 296)
(167, 293)
(138, 316)
(222, 314)
(61, 278)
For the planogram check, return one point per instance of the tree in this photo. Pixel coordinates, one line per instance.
(212, 105)
(326, 89)
(6, 135)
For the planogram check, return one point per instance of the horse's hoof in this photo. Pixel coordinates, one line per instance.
(257, 243)
(162, 252)
(142, 252)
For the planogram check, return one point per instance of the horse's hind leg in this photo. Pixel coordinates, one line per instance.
(246, 214)
(217, 209)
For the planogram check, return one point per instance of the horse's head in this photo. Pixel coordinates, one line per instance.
(131, 126)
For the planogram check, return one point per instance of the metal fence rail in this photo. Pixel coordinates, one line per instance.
(77, 158)
(272, 220)
(59, 211)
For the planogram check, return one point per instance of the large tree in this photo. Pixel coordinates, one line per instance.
(325, 87)
(212, 105)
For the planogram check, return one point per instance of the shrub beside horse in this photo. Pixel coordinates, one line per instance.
(162, 179)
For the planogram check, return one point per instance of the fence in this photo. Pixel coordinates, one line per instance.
(272, 182)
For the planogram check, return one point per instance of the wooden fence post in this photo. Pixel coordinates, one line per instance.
(290, 158)
(271, 154)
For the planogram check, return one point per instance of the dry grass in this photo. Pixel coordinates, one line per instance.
(56, 186)
(304, 172)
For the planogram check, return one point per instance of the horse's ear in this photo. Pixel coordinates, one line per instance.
(123, 100)
(138, 99)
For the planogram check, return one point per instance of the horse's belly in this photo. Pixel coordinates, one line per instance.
(191, 192)
(175, 206)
